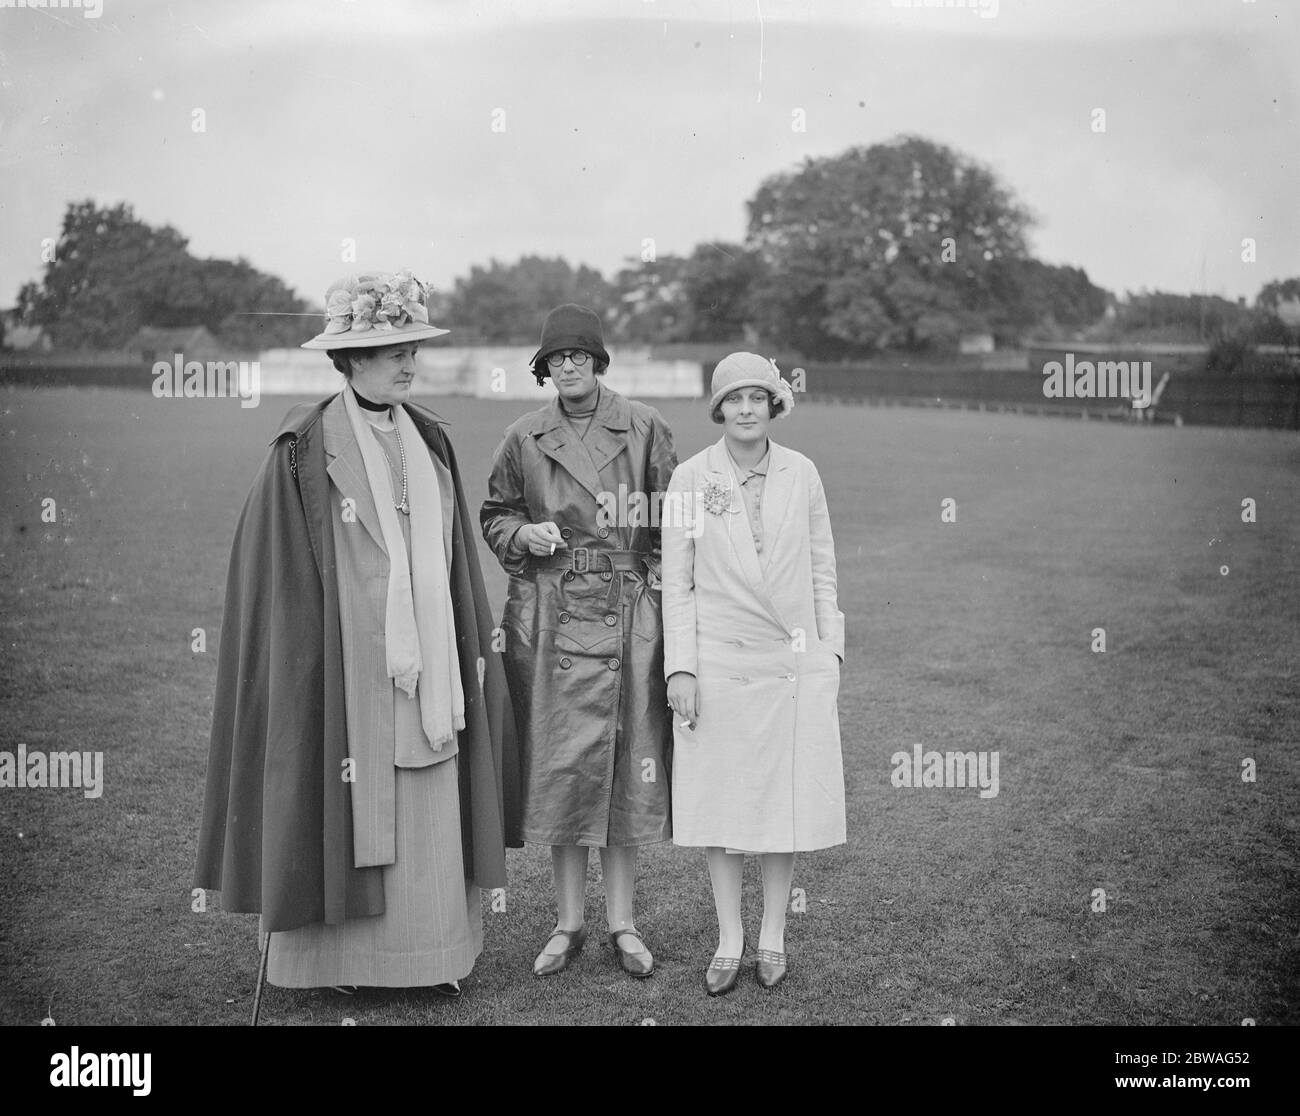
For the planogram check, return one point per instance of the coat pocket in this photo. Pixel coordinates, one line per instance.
(575, 647)
(593, 641)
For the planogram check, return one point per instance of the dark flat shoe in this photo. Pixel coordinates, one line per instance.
(451, 989)
(771, 968)
(640, 964)
(548, 964)
(721, 975)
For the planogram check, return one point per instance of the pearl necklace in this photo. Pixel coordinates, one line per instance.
(403, 507)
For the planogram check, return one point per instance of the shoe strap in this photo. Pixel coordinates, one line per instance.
(772, 957)
(570, 934)
(616, 934)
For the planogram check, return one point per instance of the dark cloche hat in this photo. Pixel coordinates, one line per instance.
(569, 326)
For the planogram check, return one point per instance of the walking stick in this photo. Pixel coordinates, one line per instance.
(261, 977)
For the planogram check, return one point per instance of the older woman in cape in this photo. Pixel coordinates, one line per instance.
(361, 779)
(753, 640)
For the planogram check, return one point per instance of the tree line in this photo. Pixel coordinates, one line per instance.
(109, 274)
(901, 246)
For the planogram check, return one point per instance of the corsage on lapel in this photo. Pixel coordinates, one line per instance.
(716, 496)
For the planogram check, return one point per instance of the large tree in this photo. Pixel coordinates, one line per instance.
(505, 303)
(886, 246)
(112, 273)
(1277, 312)
(718, 281)
(650, 302)
(1029, 296)
(705, 296)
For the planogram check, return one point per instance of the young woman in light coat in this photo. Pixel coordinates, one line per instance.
(753, 641)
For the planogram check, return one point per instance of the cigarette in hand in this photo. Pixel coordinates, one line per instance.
(552, 548)
(687, 724)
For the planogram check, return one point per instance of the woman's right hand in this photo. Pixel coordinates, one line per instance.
(541, 539)
(684, 697)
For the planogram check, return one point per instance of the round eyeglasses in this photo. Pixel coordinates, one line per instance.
(579, 358)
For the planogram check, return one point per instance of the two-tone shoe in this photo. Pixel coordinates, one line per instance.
(771, 968)
(721, 975)
(640, 964)
(548, 964)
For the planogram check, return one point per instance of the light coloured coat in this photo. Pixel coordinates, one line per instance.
(764, 636)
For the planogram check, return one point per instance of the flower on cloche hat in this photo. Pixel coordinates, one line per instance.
(740, 370)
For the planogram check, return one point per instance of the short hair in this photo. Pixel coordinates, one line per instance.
(343, 358)
(342, 361)
(774, 407)
(540, 364)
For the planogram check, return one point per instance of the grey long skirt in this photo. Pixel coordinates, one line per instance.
(431, 931)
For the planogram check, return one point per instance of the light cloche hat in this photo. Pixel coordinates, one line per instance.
(364, 311)
(740, 370)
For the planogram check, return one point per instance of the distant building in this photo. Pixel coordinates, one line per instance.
(1289, 312)
(975, 343)
(192, 342)
(22, 338)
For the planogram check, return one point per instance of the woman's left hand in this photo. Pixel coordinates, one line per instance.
(684, 697)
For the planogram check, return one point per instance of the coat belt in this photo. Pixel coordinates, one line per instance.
(590, 559)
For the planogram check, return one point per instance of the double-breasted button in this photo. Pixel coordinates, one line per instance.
(566, 532)
(564, 617)
(613, 664)
(606, 576)
(789, 677)
(565, 663)
(569, 575)
(611, 620)
(603, 532)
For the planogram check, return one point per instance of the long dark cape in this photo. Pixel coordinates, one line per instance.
(276, 836)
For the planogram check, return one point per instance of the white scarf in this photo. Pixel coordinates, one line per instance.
(419, 627)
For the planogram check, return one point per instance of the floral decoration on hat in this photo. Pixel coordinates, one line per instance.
(376, 302)
(782, 390)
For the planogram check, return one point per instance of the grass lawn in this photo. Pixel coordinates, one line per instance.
(1119, 770)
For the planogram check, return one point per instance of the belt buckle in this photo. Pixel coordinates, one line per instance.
(581, 559)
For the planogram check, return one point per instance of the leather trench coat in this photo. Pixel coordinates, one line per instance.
(584, 648)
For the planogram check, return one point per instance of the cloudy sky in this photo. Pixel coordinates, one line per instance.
(436, 135)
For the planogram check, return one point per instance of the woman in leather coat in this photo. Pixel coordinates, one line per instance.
(572, 516)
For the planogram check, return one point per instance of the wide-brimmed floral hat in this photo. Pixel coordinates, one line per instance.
(363, 311)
